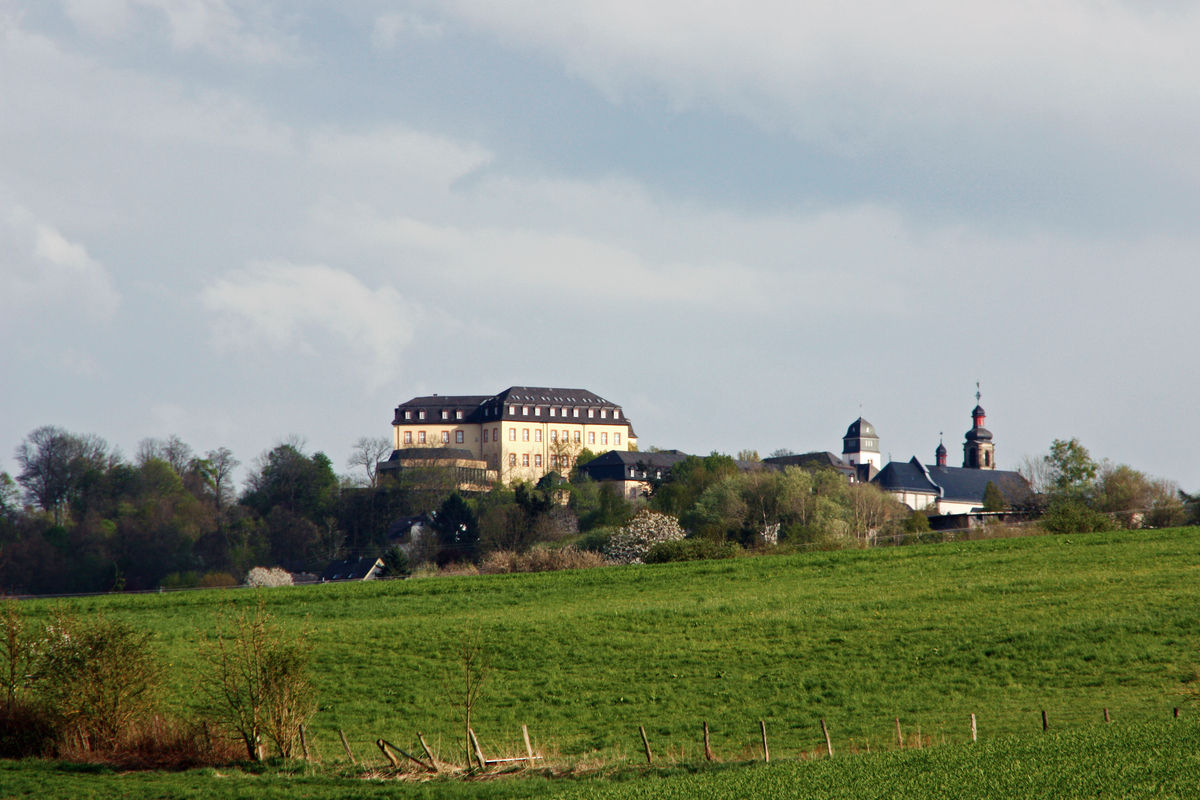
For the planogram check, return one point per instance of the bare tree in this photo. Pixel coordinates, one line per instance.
(172, 450)
(367, 452)
(54, 463)
(257, 683)
(220, 466)
(467, 678)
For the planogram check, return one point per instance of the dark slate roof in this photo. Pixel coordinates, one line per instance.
(486, 408)
(860, 427)
(823, 460)
(941, 450)
(403, 526)
(978, 412)
(616, 464)
(964, 483)
(427, 454)
(550, 480)
(979, 435)
(909, 476)
(352, 569)
(434, 405)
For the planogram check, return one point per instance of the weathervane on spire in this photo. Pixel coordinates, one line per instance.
(978, 396)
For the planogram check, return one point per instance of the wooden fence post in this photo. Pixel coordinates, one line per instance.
(1106, 719)
(899, 735)
(974, 730)
(708, 753)
(1045, 721)
(828, 743)
(1176, 712)
(346, 745)
(528, 746)
(433, 763)
(766, 750)
(384, 749)
(303, 743)
(478, 750)
(646, 744)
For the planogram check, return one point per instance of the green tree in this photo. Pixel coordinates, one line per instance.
(1072, 470)
(457, 529)
(56, 464)
(993, 498)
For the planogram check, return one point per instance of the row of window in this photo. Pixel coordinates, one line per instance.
(565, 461)
(512, 436)
(537, 436)
(458, 437)
(560, 411)
(408, 414)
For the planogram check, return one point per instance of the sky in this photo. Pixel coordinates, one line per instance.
(748, 224)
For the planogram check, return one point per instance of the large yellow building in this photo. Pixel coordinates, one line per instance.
(522, 433)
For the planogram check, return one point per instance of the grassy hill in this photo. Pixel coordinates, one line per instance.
(929, 634)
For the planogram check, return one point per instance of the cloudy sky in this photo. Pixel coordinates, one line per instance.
(746, 223)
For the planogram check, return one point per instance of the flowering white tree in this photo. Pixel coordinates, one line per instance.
(262, 577)
(648, 528)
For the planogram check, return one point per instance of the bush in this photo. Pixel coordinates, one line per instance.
(596, 540)
(691, 550)
(99, 677)
(27, 730)
(261, 577)
(217, 580)
(1074, 517)
(631, 543)
(540, 559)
(396, 563)
(256, 683)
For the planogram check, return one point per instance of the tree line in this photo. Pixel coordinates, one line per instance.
(80, 516)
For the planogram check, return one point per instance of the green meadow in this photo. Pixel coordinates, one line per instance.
(928, 634)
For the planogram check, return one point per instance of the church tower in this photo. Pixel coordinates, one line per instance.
(860, 445)
(940, 454)
(978, 450)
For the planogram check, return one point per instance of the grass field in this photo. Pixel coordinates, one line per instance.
(929, 634)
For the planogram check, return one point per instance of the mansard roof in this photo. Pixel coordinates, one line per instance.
(485, 408)
(615, 464)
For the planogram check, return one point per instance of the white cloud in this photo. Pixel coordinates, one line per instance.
(403, 153)
(880, 75)
(211, 26)
(388, 28)
(289, 306)
(43, 274)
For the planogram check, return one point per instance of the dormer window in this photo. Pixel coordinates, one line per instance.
(576, 410)
(616, 413)
(553, 411)
(408, 415)
(445, 415)
(537, 411)
(525, 411)
(512, 410)
(591, 413)
(421, 414)
(458, 414)
(603, 413)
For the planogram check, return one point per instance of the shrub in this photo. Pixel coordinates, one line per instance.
(647, 528)
(691, 550)
(396, 563)
(261, 577)
(97, 676)
(256, 682)
(1074, 517)
(27, 729)
(217, 580)
(540, 559)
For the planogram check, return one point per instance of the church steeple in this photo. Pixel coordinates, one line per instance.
(940, 453)
(978, 450)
